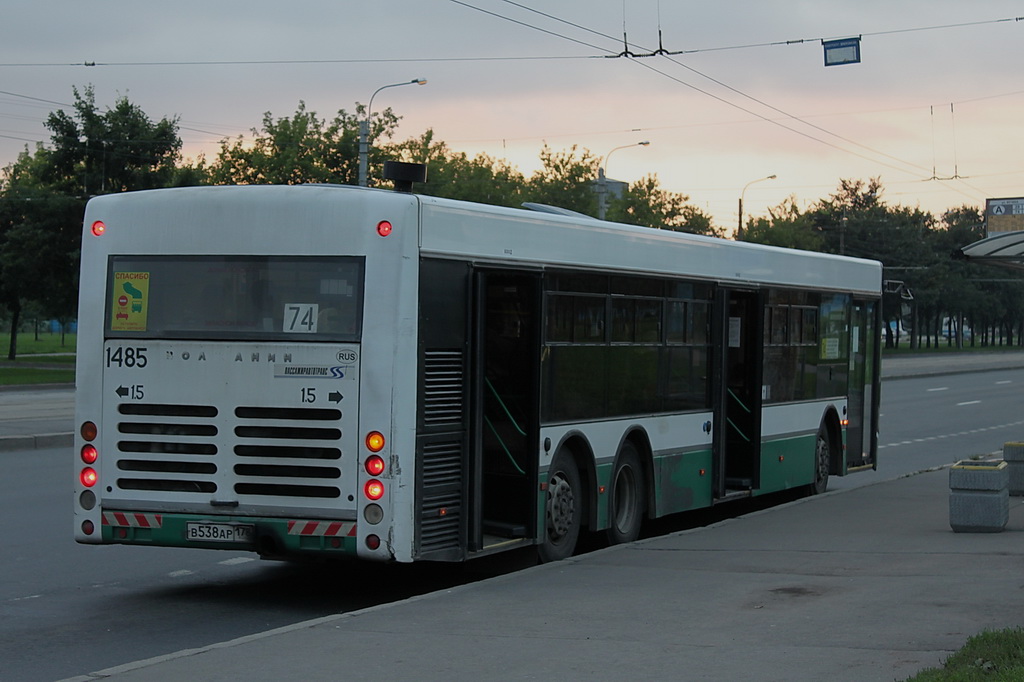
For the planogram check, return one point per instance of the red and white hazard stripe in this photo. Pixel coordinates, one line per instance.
(132, 520)
(322, 528)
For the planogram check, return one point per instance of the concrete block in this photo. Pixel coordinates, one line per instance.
(979, 496)
(1013, 455)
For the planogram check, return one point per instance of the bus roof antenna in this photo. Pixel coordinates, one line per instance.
(404, 174)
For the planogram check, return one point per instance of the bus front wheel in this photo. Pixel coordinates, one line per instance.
(627, 497)
(563, 510)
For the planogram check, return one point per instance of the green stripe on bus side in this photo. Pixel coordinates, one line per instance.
(787, 463)
(679, 482)
(172, 534)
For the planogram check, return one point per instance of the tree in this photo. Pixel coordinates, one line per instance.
(454, 175)
(43, 195)
(645, 203)
(303, 148)
(785, 226)
(855, 221)
(117, 150)
(39, 255)
(565, 180)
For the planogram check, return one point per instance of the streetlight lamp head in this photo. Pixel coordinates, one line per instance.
(364, 127)
(644, 143)
(772, 177)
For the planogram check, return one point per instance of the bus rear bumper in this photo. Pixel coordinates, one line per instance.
(267, 536)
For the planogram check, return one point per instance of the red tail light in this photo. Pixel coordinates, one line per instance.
(374, 489)
(374, 465)
(89, 477)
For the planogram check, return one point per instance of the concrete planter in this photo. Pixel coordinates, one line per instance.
(979, 496)
(1013, 455)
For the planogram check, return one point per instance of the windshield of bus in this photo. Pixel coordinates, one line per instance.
(267, 298)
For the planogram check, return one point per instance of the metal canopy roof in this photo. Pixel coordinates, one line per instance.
(1005, 249)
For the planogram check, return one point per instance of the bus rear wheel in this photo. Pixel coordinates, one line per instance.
(563, 510)
(626, 511)
(822, 462)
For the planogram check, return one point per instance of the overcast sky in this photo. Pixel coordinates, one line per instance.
(939, 92)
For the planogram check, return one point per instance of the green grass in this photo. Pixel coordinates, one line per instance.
(47, 343)
(11, 375)
(33, 364)
(991, 656)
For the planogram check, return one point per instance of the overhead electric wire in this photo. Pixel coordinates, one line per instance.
(667, 55)
(738, 92)
(34, 99)
(606, 54)
(523, 23)
(292, 62)
(371, 60)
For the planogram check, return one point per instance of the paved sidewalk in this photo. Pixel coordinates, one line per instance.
(868, 584)
(937, 364)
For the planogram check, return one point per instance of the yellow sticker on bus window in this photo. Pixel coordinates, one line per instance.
(131, 302)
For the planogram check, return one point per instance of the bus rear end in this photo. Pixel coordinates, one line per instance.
(224, 397)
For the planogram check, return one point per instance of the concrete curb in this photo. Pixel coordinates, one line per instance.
(37, 442)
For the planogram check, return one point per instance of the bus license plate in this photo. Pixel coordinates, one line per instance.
(220, 532)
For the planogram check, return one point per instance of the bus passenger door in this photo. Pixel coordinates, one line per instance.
(737, 392)
(862, 410)
(506, 410)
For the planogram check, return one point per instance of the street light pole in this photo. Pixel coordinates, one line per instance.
(739, 228)
(602, 179)
(364, 128)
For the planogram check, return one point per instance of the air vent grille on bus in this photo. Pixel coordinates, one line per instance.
(280, 468)
(442, 387)
(442, 464)
(172, 450)
(274, 452)
(439, 529)
(441, 511)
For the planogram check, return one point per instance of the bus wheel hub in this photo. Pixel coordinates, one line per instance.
(560, 506)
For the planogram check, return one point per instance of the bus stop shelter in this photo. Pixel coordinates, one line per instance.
(1005, 249)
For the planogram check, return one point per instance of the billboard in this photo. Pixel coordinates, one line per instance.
(1004, 215)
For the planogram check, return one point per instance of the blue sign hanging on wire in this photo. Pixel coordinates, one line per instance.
(843, 51)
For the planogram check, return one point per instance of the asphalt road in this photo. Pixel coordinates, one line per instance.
(927, 421)
(67, 608)
(25, 411)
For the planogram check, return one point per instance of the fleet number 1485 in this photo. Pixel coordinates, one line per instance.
(127, 356)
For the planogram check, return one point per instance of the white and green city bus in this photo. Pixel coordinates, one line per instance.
(334, 370)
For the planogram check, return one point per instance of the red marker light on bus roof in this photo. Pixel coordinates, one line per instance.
(384, 228)
(98, 228)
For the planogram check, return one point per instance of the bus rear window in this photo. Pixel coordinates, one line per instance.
(263, 298)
